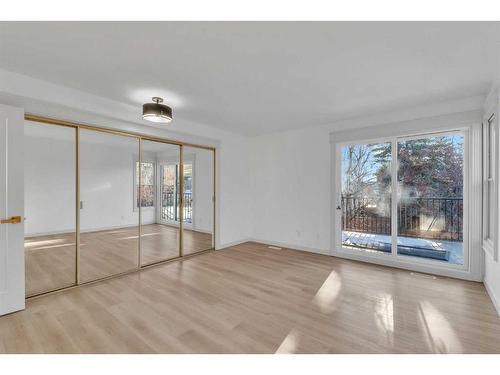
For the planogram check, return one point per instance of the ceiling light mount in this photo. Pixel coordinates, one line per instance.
(157, 112)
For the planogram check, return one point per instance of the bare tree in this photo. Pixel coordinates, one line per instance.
(358, 174)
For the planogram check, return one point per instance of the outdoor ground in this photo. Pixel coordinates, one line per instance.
(383, 243)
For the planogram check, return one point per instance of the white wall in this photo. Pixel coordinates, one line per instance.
(233, 193)
(291, 189)
(492, 266)
(492, 281)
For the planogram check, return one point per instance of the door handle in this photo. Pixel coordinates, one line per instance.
(12, 220)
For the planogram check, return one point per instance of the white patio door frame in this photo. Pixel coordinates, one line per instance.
(392, 133)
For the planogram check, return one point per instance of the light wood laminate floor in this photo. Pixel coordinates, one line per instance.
(252, 299)
(50, 260)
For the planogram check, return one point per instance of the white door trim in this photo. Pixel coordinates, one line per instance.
(12, 282)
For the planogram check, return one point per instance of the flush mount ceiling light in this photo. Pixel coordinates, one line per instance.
(156, 112)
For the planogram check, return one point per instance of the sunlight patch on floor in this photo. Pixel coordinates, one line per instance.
(327, 295)
(384, 315)
(439, 334)
(32, 244)
(290, 344)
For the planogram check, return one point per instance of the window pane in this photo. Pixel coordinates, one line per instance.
(366, 197)
(169, 202)
(430, 207)
(188, 192)
(147, 196)
(148, 174)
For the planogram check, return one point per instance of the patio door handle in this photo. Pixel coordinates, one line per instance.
(12, 220)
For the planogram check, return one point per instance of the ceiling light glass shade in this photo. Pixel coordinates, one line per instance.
(157, 112)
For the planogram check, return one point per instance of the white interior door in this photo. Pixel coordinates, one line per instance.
(12, 289)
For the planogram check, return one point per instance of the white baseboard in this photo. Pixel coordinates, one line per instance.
(49, 233)
(273, 243)
(101, 229)
(290, 246)
(494, 299)
(186, 226)
(402, 264)
(233, 243)
(411, 267)
(86, 230)
(198, 230)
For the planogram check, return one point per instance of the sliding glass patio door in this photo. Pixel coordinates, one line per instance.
(366, 197)
(431, 197)
(402, 198)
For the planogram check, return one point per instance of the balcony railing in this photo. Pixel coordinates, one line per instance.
(430, 218)
(170, 207)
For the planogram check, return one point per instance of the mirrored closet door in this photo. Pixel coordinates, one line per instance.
(198, 198)
(100, 203)
(109, 218)
(50, 207)
(158, 200)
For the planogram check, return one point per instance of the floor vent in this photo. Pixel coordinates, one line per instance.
(274, 247)
(423, 275)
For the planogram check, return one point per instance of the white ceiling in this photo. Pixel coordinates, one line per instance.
(259, 77)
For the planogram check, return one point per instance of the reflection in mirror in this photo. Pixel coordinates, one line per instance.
(157, 190)
(109, 220)
(49, 207)
(198, 195)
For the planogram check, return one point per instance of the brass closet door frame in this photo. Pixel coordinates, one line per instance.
(140, 137)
